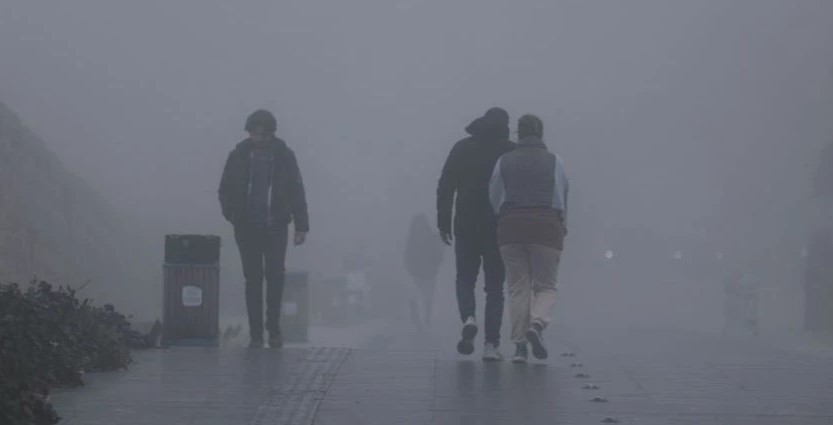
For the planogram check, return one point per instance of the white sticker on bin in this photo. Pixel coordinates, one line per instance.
(191, 296)
(290, 308)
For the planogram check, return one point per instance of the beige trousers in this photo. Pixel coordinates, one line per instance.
(532, 273)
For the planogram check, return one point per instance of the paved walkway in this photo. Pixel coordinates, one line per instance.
(637, 377)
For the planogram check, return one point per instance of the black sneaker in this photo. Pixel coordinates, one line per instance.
(521, 354)
(537, 341)
(275, 340)
(466, 344)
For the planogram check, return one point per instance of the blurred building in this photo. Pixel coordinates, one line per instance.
(55, 227)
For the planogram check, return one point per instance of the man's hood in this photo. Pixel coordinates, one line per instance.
(494, 124)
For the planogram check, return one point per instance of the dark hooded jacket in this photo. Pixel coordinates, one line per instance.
(288, 198)
(467, 172)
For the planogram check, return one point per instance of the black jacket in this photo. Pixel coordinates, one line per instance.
(467, 172)
(288, 196)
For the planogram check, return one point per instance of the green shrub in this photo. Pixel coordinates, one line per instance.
(49, 337)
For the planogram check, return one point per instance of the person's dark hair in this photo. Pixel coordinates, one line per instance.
(530, 126)
(261, 119)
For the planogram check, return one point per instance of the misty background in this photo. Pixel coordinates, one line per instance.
(690, 126)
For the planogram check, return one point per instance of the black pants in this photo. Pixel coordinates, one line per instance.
(263, 254)
(473, 250)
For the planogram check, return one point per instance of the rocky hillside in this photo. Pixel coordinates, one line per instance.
(53, 226)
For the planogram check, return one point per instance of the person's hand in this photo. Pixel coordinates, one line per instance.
(446, 237)
(300, 238)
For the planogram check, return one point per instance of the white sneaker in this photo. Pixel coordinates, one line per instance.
(466, 344)
(521, 354)
(491, 353)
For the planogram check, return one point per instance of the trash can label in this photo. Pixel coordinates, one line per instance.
(191, 296)
(290, 308)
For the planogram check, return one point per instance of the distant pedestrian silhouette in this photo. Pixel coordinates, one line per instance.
(424, 255)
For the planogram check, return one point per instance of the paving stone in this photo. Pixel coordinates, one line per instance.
(647, 377)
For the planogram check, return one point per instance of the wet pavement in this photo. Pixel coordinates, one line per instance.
(594, 376)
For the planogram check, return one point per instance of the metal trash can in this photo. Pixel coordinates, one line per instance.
(191, 290)
(328, 301)
(741, 304)
(818, 283)
(295, 309)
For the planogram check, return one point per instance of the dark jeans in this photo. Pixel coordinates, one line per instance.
(474, 249)
(263, 254)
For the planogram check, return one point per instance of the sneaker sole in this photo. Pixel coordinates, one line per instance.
(519, 360)
(538, 349)
(466, 345)
(469, 332)
(490, 359)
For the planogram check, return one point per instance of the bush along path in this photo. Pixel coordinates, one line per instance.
(49, 338)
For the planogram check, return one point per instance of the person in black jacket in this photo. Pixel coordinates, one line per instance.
(261, 192)
(466, 174)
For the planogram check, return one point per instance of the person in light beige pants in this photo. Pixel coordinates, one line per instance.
(528, 191)
(532, 274)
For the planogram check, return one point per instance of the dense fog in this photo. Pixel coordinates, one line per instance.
(691, 130)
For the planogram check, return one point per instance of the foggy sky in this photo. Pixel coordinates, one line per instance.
(669, 114)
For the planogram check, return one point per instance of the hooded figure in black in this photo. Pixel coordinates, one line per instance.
(466, 174)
